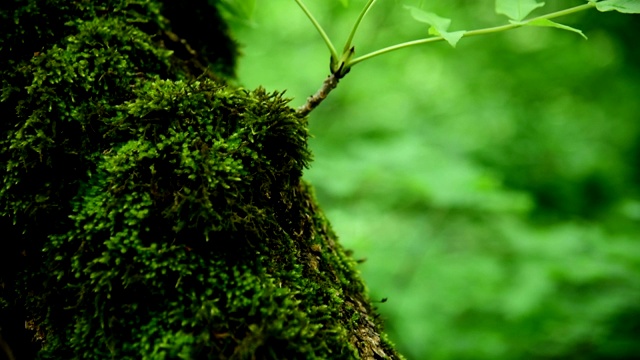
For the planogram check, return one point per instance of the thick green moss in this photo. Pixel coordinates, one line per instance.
(155, 213)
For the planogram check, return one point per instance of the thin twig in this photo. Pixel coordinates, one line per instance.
(314, 100)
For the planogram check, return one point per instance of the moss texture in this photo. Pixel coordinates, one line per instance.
(149, 210)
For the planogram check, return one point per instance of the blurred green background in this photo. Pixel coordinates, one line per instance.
(492, 188)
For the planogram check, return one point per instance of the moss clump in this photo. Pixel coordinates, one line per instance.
(156, 214)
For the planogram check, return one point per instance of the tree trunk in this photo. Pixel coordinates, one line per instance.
(148, 209)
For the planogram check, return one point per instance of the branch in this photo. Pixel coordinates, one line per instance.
(314, 100)
(341, 67)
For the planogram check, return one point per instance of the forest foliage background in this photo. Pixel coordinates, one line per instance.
(492, 188)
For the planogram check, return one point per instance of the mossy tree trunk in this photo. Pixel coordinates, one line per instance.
(150, 210)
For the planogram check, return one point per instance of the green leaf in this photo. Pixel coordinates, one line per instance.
(344, 3)
(439, 25)
(549, 23)
(623, 6)
(452, 37)
(429, 18)
(517, 9)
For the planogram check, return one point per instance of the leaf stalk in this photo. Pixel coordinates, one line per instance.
(323, 34)
(363, 13)
(485, 31)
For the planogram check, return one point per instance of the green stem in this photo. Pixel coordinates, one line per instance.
(332, 49)
(471, 33)
(364, 12)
